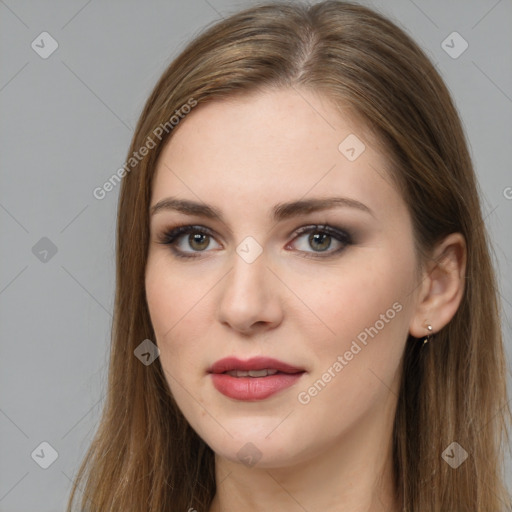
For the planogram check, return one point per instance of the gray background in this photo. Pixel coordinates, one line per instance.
(66, 123)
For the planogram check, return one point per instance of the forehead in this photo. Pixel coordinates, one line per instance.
(270, 147)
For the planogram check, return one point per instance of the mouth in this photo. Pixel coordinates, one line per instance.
(254, 367)
(254, 379)
(255, 373)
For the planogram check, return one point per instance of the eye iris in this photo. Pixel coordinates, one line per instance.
(196, 238)
(320, 237)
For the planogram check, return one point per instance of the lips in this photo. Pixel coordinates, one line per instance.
(255, 379)
(255, 364)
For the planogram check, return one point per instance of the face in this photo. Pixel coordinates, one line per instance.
(329, 291)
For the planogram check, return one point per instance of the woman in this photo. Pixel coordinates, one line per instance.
(301, 237)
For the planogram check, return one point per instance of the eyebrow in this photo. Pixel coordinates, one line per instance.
(280, 211)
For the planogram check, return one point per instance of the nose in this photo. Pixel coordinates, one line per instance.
(250, 297)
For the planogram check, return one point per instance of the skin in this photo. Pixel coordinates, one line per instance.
(243, 155)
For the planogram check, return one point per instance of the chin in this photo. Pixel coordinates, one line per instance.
(254, 447)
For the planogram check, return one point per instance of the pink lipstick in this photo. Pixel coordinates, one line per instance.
(254, 379)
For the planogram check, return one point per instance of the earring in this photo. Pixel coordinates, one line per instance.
(429, 335)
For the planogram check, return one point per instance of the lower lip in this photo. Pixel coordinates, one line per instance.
(253, 388)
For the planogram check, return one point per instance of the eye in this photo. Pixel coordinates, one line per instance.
(320, 239)
(199, 239)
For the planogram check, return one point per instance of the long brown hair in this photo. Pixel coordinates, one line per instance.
(145, 456)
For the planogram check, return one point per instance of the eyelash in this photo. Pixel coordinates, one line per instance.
(171, 236)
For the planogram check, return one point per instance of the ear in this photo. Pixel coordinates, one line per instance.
(442, 286)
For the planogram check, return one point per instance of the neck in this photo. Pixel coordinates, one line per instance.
(352, 474)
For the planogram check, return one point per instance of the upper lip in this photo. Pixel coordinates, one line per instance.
(254, 363)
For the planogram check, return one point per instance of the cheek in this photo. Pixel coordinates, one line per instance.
(345, 301)
(170, 295)
(176, 306)
(168, 302)
(356, 369)
(166, 297)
